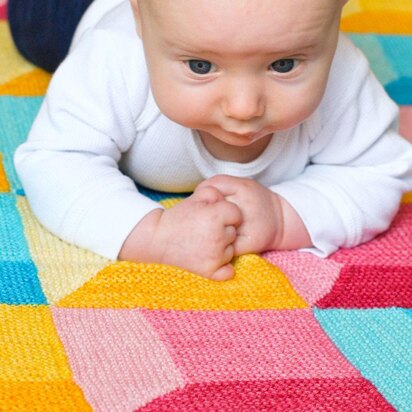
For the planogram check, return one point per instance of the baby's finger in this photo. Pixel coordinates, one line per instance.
(227, 185)
(230, 234)
(242, 245)
(207, 194)
(228, 253)
(230, 213)
(226, 272)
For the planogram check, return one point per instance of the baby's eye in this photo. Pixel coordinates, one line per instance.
(284, 65)
(200, 66)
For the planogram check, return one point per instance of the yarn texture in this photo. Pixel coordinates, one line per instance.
(291, 331)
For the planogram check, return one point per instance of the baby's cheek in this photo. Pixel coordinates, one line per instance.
(306, 102)
(184, 110)
(304, 110)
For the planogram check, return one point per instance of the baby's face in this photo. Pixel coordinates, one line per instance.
(238, 70)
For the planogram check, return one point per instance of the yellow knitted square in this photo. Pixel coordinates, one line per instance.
(378, 16)
(30, 347)
(62, 268)
(257, 285)
(12, 64)
(407, 198)
(46, 396)
(4, 184)
(33, 83)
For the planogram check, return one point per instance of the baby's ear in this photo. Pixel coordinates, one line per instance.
(136, 12)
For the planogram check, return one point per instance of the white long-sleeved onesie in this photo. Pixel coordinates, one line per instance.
(99, 129)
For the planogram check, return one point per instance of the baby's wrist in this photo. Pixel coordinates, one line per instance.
(291, 231)
(278, 224)
(138, 245)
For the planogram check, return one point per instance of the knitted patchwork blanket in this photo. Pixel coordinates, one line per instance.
(291, 332)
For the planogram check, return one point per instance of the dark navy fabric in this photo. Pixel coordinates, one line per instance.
(43, 29)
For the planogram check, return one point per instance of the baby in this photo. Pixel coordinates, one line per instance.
(259, 107)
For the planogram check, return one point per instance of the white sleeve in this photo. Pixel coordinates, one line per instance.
(359, 165)
(69, 165)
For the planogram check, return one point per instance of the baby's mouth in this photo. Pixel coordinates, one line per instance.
(249, 135)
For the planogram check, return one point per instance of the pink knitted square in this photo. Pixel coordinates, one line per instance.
(248, 345)
(392, 248)
(117, 358)
(3, 9)
(371, 287)
(310, 276)
(406, 122)
(297, 395)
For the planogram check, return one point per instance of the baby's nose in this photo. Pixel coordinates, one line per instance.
(243, 101)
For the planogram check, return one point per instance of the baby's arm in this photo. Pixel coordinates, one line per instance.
(69, 165)
(352, 190)
(196, 235)
(359, 165)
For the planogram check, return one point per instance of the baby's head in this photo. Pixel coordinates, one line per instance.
(238, 70)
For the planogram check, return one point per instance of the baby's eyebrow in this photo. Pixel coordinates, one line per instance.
(266, 52)
(267, 49)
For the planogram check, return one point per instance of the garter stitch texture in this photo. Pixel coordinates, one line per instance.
(291, 332)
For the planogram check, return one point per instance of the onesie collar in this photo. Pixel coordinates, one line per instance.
(209, 166)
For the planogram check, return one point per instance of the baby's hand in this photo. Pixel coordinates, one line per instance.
(269, 222)
(197, 235)
(262, 224)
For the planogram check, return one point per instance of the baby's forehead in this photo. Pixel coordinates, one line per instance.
(242, 21)
(168, 7)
